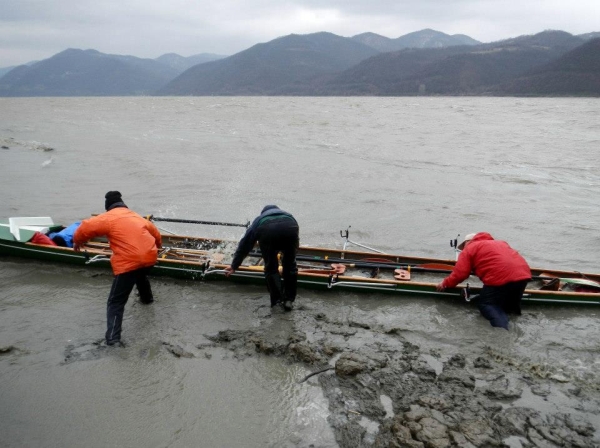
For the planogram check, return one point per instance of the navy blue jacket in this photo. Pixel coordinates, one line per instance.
(252, 234)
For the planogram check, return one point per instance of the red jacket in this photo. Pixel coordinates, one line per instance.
(133, 240)
(493, 261)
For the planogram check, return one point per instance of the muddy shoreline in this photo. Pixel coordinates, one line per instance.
(385, 391)
(390, 379)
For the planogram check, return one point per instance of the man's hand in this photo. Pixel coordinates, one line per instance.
(229, 270)
(76, 247)
(440, 287)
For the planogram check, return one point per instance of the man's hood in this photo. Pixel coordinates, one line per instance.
(268, 207)
(482, 236)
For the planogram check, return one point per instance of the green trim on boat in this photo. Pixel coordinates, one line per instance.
(5, 232)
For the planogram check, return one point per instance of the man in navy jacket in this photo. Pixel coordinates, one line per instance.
(277, 232)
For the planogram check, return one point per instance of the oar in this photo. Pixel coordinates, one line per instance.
(336, 269)
(195, 221)
(412, 268)
(435, 267)
(440, 266)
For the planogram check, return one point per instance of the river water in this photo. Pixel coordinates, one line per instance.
(407, 174)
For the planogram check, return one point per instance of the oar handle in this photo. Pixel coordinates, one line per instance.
(195, 221)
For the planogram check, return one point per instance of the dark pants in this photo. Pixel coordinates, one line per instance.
(496, 301)
(274, 237)
(119, 293)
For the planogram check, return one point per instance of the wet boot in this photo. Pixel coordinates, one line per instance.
(290, 288)
(275, 288)
(143, 286)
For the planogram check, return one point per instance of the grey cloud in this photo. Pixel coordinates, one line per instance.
(148, 28)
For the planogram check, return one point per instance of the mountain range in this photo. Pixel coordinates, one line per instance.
(474, 70)
(422, 63)
(76, 72)
(279, 67)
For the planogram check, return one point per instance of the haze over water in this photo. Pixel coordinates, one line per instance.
(407, 174)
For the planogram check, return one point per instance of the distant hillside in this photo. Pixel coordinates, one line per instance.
(466, 70)
(376, 41)
(182, 63)
(575, 73)
(282, 66)
(434, 39)
(419, 39)
(380, 74)
(5, 70)
(178, 63)
(86, 73)
(589, 36)
(475, 71)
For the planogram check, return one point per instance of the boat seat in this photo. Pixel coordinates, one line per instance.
(23, 228)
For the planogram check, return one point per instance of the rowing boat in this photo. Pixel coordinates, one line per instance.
(321, 268)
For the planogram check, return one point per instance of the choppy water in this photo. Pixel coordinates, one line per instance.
(407, 174)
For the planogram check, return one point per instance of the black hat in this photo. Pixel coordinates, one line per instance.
(112, 197)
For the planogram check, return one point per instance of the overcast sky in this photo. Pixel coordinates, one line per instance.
(38, 29)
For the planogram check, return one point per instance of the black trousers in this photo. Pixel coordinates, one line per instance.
(275, 237)
(495, 302)
(119, 294)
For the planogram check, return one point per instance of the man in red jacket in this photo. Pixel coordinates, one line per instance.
(134, 242)
(502, 270)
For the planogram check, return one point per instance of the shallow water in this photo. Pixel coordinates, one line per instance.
(406, 174)
(60, 389)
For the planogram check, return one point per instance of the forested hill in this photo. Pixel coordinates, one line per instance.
(575, 73)
(465, 70)
(419, 39)
(75, 72)
(282, 66)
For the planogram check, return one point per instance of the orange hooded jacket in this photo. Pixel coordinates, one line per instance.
(133, 240)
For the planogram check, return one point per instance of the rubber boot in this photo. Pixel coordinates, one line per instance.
(275, 288)
(290, 286)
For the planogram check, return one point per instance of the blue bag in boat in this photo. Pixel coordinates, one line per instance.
(64, 238)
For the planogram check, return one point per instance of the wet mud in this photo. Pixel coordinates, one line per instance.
(10, 142)
(8, 349)
(385, 391)
(88, 351)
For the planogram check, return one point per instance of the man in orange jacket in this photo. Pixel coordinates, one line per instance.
(134, 242)
(502, 270)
